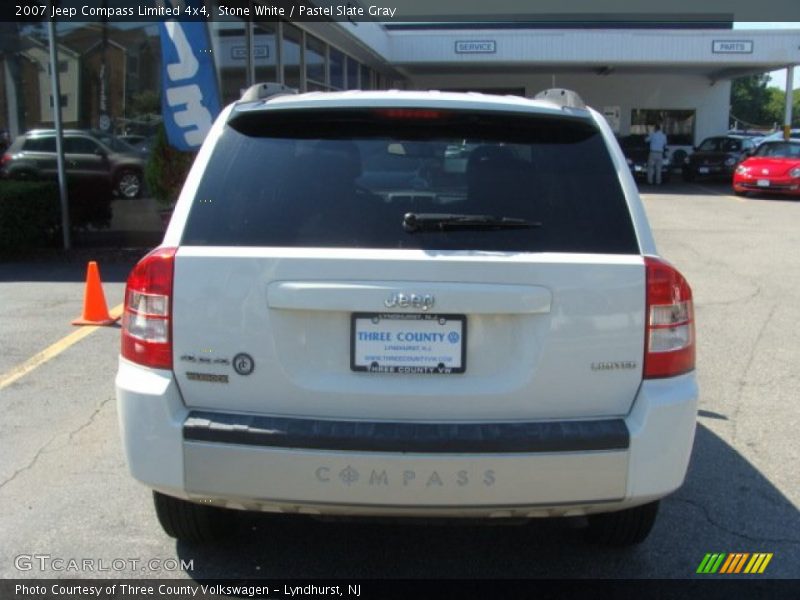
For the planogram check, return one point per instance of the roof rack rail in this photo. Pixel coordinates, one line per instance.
(562, 97)
(262, 91)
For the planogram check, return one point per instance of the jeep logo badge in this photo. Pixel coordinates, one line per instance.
(420, 302)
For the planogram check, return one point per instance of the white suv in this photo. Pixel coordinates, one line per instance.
(408, 304)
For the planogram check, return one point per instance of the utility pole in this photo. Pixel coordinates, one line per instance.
(62, 175)
(787, 116)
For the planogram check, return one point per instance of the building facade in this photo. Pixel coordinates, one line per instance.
(677, 77)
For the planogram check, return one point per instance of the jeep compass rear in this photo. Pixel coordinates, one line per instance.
(408, 304)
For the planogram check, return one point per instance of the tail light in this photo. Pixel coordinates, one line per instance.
(146, 319)
(669, 334)
(5, 159)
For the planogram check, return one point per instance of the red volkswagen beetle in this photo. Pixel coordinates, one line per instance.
(774, 168)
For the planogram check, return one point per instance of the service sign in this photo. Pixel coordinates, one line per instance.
(414, 344)
(476, 47)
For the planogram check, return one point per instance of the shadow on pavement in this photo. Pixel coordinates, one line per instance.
(70, 267)
(726, 505)
(676, 187)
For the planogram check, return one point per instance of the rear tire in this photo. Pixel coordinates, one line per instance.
(622, 528)
(190, 522)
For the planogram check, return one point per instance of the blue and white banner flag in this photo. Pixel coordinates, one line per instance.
(189, 94)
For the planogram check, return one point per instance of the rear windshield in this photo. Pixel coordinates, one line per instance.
(779, 150)
(347, 179)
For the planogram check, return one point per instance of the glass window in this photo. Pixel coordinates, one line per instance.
(290, 55)
(264, 52)
(79, 145)
(366, 82)
(370, 170)
(678, 125)
(315, 60)
(230, 55)
(352, 74)
(120, 79)
(779, 150)
(64, 101)
(336, 68)
(40, 144)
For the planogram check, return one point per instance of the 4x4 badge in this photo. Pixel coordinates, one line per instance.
(243, 364)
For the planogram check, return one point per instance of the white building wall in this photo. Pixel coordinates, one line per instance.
(628, 91)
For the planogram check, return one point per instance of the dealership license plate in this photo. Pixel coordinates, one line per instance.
(417, 344)
(702, 170)
(762, 183)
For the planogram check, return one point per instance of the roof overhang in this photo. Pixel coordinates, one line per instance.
(717, 54)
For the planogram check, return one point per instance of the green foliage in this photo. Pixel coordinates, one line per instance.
(776, 106)
(751, 101)
(30, 212)
(145, 103)
(29, 215)
(166, 170)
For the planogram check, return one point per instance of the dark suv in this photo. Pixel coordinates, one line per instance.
(718, 156)
(86, 158)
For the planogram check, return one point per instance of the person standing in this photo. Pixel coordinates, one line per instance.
(658, 142)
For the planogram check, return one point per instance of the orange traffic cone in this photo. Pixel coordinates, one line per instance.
(95, 309)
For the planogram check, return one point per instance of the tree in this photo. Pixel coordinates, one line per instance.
(777, 106)
(752, 102)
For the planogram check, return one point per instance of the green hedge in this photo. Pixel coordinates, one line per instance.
(166, 170)
(29, 214)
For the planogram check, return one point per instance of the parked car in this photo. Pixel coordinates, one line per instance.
(490, 338)
(718, 156)
(637, 151)
(774, 168)
(86, 158)
(778, 136)
(756, 136)
(142, 144)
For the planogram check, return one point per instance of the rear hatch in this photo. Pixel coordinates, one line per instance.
(302, 290)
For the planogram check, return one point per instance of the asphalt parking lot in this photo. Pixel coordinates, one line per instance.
(65, 491)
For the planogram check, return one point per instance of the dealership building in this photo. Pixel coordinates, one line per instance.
(637, 75)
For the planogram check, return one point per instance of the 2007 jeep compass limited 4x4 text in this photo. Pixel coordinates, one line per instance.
(408, 304)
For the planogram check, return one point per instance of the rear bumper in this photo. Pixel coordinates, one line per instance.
(324, 467)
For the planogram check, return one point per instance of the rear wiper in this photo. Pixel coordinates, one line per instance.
(413, 222)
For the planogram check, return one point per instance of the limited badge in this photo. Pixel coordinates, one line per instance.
(243, 364)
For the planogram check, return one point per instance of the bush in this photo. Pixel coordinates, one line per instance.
(29, 214)
(89, 204)
(30, 211)
(166, 170)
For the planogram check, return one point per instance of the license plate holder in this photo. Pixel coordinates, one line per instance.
(408, 344)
